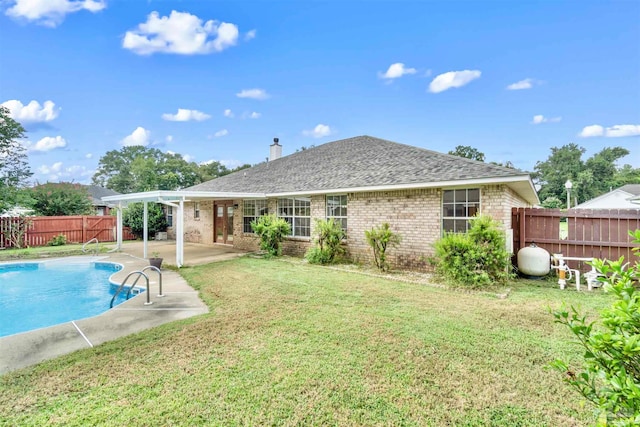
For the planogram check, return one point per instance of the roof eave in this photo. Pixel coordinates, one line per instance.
(522, 184)
(168, 196)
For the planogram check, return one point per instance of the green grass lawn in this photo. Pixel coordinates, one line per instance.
(293, 344)
(51, 251)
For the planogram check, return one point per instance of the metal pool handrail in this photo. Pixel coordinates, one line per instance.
(139, 273)
(96, 250)
(157, 270)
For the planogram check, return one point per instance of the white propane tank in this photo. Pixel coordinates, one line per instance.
(534, 261)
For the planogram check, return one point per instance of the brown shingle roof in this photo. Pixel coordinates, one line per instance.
(362, 161)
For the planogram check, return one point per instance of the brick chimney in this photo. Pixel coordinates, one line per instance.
(275, 151)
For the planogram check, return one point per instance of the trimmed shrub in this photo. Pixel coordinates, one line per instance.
(59, 240)
(133, 217)
(475, 259)
(328, 240)
(380, 239)
(271, 231)
(610, 376)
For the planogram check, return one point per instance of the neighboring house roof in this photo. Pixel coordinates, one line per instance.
(620, 198)
(631, 189)
(97, 193)
(365, 163)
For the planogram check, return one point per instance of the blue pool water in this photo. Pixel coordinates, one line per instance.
(36, 295)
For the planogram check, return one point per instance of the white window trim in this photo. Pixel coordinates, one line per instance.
(170, 215)
(255, 212)
(293, 216)
(340, 217)
(466, 218)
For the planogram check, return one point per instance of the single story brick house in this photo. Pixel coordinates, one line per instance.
(362, 182)
(97, 193)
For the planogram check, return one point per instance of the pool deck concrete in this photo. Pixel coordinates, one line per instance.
(180, 301)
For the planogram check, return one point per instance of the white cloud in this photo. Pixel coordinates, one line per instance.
(397, 70)
(74, 173)
(227, 163)
(522, 84)
(250, 35)
(33, 111)
(88, 155)
(252, 115)
(51, 13)
(184, 115)
(615, 131)
(220, 133)
(180, 33)
(140, 136)
(54, 168)
(47, 143)
(453, 79)
(319, 131)
(228, 113)
(231, 164)
(253, 94)
(169, 138)
(593, 130)
(539, 118)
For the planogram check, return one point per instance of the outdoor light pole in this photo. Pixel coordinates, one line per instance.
(568, 185)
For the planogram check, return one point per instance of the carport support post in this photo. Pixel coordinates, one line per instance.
(145, 228)
(180, 235)
(119, 227)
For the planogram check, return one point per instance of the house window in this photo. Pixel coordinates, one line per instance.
(196, 210)
(252, 210)
(297, 212)
(458, 207)
(169, 216)
(337, 209)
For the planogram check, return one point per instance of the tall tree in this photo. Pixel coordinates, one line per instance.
(211, 170)
(61, 198)
(467, 152)
(137, 168)
(627, 174)
(590, 178)
(564, 163)
(14, 169)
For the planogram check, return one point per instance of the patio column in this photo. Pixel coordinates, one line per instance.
(145, 228)
(180, 235)
(119, 227)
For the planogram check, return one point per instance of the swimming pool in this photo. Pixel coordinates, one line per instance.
(40, 294)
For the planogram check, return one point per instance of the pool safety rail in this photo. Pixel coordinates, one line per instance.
(95, 249)
(138, 274)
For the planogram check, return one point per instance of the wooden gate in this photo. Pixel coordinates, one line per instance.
(589, 233)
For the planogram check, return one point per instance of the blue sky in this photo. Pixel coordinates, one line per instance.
(217, 80)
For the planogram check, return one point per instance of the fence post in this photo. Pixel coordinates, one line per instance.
(523, 219)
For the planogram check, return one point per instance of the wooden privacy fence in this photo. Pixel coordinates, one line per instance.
(77, 229)
(589, 233)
